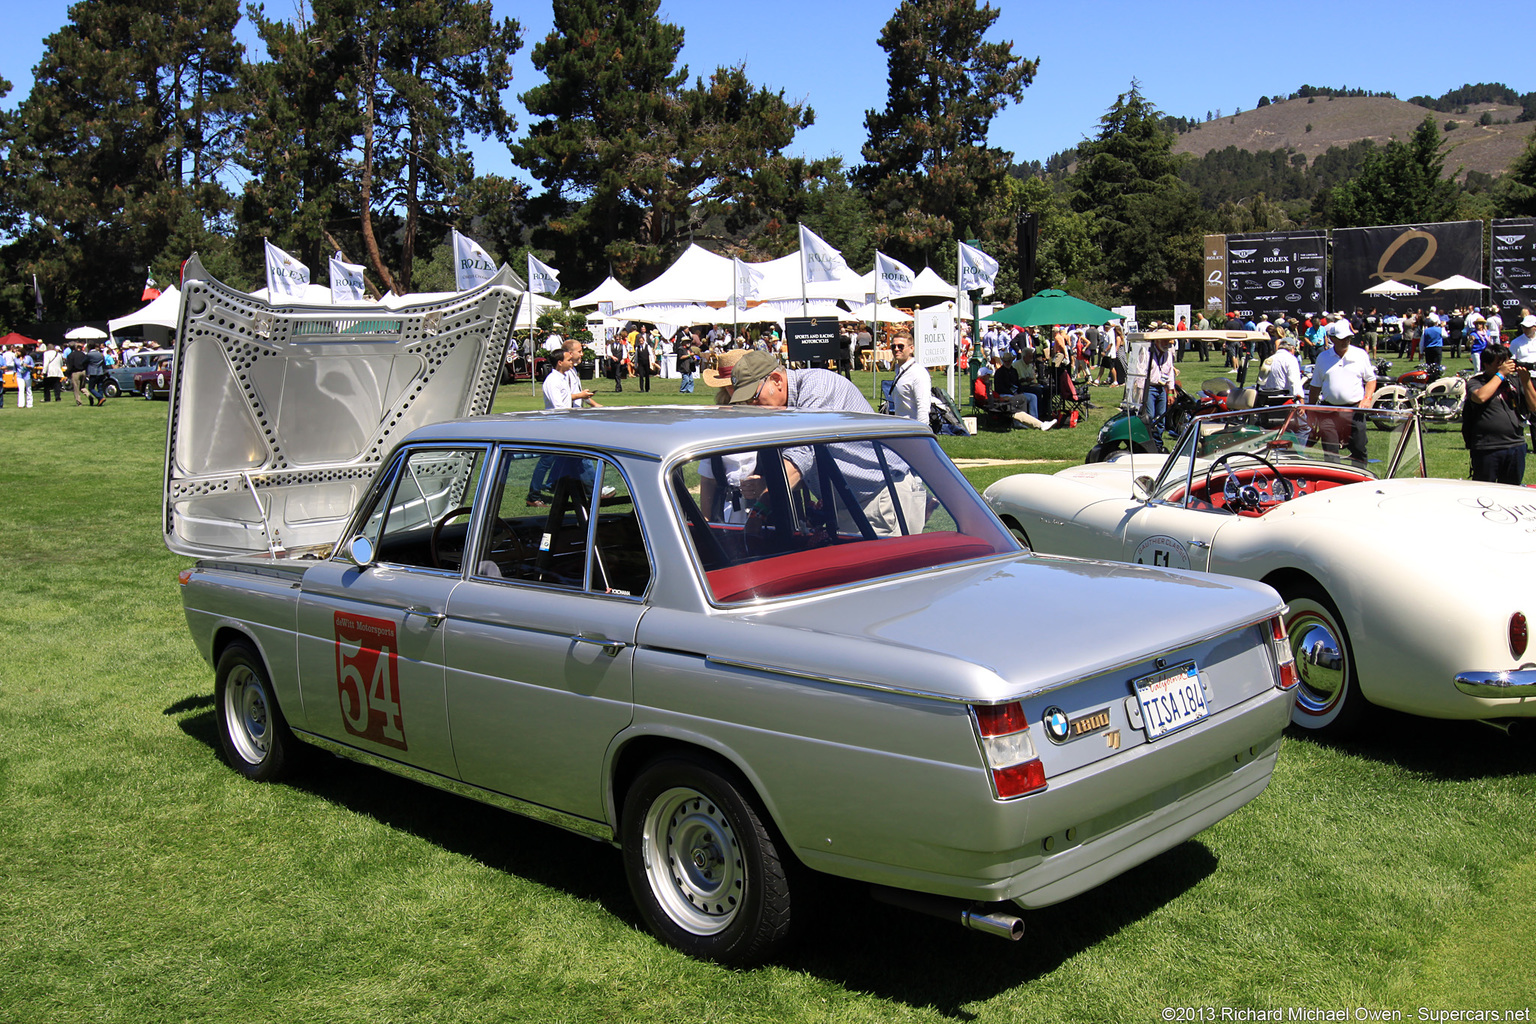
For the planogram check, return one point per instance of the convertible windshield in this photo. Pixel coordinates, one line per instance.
(1284, 451)
(774, 521)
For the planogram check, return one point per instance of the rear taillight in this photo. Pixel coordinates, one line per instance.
(184, 577)
(1284, 658)
(1519, 634)
(1009, 751)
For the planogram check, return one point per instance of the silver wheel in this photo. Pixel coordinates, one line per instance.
(252, 730)
(1328, 695)
(704, 869)
(693, 861)
(245, 709)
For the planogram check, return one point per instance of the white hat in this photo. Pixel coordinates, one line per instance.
(1529, 321)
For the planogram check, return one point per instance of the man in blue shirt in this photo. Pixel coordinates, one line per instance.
(1433, 341)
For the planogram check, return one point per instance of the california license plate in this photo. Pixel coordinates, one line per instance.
(1170, 699)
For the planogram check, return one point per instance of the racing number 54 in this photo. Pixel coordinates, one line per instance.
(368, 679)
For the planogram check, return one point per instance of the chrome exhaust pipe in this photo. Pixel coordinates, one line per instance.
(978, 917)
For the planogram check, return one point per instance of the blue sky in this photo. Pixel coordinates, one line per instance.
(1190, 57)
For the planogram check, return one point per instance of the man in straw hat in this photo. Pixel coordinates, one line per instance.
(877, 480)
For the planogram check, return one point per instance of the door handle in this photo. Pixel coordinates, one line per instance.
(434, 619)
(1199, 543)
(610, 647)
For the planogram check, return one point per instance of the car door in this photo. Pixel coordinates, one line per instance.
(540, 637)
(1170, 535)
(369, 639)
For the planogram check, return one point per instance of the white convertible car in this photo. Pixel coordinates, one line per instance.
(1372, 619)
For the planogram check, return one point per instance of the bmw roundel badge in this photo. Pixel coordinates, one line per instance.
(1057, 724)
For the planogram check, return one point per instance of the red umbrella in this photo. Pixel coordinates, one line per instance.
(17, 339)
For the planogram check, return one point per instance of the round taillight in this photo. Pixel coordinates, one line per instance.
(1519, 634)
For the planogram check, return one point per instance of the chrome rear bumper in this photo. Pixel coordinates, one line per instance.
(1508, 683)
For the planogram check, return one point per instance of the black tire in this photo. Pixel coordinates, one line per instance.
(1018, 533)
(704, 870)
(111, 389)
(1100, 452)
(252, 730)
(1328, 698)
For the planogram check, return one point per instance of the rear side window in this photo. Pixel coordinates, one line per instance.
(783, 520)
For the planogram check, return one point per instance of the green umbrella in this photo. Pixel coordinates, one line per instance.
(1052, 306)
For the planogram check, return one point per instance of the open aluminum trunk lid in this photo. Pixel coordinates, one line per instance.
(281, 415)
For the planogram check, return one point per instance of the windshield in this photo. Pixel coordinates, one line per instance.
(1306, 443)
(781, 520)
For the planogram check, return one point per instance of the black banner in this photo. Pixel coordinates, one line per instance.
(1416, 254)
(1514, 265)
(1277, 272)
(811, 339)
(1028, 246)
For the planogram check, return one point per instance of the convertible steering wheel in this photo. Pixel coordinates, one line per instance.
(501, 524)
(1241, 496)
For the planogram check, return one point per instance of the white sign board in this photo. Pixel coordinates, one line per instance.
(935, 329)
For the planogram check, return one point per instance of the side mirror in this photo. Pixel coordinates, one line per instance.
(360, 550)
(1141, 487)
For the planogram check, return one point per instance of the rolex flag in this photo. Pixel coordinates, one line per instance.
(896, 277)
(977, 270)
(472, 265)
(542, 277)
(747, 281)
(285, 275)
(820, 260)
(346, 281)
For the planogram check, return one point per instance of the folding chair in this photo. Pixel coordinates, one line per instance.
(1071, 401)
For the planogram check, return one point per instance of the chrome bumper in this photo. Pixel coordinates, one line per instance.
(1519, 682)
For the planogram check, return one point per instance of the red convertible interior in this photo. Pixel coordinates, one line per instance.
(1310, 478)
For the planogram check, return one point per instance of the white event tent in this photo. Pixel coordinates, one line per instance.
(699, 275)
(164, 311)
(609, 291)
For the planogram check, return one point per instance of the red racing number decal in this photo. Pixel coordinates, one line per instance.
(368, 679)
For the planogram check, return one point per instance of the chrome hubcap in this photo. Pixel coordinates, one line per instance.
(1320, 661)
(693, 862)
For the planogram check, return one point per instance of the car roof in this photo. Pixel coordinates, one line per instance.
(662, 432)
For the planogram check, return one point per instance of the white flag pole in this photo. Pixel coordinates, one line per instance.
(959, 315)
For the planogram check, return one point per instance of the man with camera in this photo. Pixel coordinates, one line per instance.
(1491, 423)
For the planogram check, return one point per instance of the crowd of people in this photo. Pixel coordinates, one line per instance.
(82, 368)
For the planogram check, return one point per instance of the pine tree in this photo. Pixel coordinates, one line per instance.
(1147, 221)
(929, 173)
(428, 73)
(633, 162)
(1399, 183)
(305, 118)
(114, 158)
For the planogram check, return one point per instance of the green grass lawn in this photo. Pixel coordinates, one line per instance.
(142, 880)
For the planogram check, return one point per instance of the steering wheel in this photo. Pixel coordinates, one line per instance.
(501, 525)
(1241, 496)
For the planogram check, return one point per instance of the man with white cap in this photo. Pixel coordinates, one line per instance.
(1343, 377)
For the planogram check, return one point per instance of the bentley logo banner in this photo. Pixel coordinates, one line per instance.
(1277, 273)
(1514, 265)
(1416, 254)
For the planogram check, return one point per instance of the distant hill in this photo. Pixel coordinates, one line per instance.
(1341, 120)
